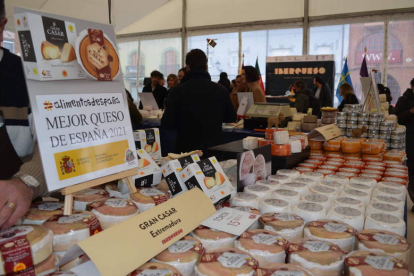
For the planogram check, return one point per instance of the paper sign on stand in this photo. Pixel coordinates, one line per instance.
(241, 111)
(138, 239)
(324, 133)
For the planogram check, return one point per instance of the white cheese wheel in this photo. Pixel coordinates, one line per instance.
(323, 190)
(349, 215)
(272, 205)
(392, 185)
(281, 137)
(213, 239)
(290, 196)
(291, 173)
(323, 200)
(262, 192)
(295, 146)
(350, 202)
(337, 186)
(308, 181)
(400, 204)
(360, 187)
(271, 184)
(364, 180)
(301, 188)
(385, 209)
(381, 191)
(245, 199)
(287, 225)
(386, 222)
(313, 175)
(338, 178)
(280, 178)
(363, 196)
(309, 211)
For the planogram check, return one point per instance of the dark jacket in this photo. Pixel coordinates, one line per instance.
(351, 100)
(302, 100)
(226, 84)
(160, 94)
(196, 109)
(402, 110)
(325, 96)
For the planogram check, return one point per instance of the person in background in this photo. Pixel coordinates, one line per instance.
(404, 109)
(159, 92)
(239, 86)
(250, 78)
(197, 107)
(305, 100)
(232, 84)
(172, 81)
(21, 173)
(387, 92)
(134, 113)
(181, 74)
(224, 80)
(322, 92)
(162, 81)
(348, 96)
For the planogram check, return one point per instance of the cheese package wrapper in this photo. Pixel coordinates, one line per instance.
(208, 175)
(48, 47)
(172, 171)
(149, 141)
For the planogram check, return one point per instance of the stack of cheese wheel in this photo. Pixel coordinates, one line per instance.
(183, 255)
(309, 211)
(319, 257)
(147, 198)
(87, 196)
(41, 211)
(226, 261)
(159, 269)
(333, 231)
(283, 270)
(384, 242)
(381, 221)
(368, 263)
(251, 211)
(113, 211)
(262, 192)
(265, 246)
(291, 173)
(245, 199)
(213, 239)
(280, 178)
(35, 250)
(287, 225)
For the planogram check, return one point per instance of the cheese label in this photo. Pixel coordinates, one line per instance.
(246, 196)
(257, 188)
(312, 207)
(276, 202)
(316, 198)
(389, 191)
(98, 55)
(323, 189)
(348, 200)
(286, 217)
(246, 163)
(259, 166)
(151, 192)
(182, 246)
(389, 199)
(359, 186)
(117, 203)
(316, 246)
(385, 207)
(245, 209)
(154, 272)
(50, 206)
(390, 184)
(378, 262)
(386, 239)
(314, 174)
(305, 180)
(72, 218)
(288, 193)
(336, 176)
(233, 260)
(347, 211)
(295, 185)
(385, 218)
(269, 239)
(14, 232)
(285, 273)
(356, 193)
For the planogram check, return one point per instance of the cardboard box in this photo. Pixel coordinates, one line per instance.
(48, 47)
(172, 171)
(208, 176)
(149, 140)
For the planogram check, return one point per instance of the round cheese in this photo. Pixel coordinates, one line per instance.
(381, 191)
(308, 181)
(272, 185)
(385, 209)
(84, 197)
(323, 190)
(313, 175)
(387, 222)
(147, 198)
(395, 179)
(384, 242)
(309, 211)
(262, 192)
(333, 231)
(280, 178)
(291, 173)
(302, 170)
(338, 178)
(360, 187)
(356, 194)
(265, 246)
(350, 202)
(301, 188)
(47, 267)
(287, 225)
(245, 199)
(400, 204)
(41, 211)
(283, 270)
(332, 184)
(319, 199)
(290, 196)
(392, 185)
(113, 211)
(159, 269)
(213, 239)
(364, 180)
(349, 215)
(272, 205)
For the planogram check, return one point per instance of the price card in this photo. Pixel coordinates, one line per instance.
(231, 221)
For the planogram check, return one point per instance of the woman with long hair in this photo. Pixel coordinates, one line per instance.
(172, 81)
(348, 96)
(250, 78)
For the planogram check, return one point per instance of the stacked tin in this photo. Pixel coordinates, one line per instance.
(397, 139)
(375, 121)
(341, 122)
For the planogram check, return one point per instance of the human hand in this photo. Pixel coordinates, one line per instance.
(412, 110)
(16, 192)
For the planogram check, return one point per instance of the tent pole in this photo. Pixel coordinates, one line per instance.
(184, 33)
(305, 28)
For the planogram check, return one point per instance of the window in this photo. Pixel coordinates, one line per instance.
(255, 47)
(170, 63)
(285, 42)
(220, 57)
(128, 52)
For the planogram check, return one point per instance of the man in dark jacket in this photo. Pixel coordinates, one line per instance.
(197, 107)
(159, 92)
(305, 99)
(404, 109)
(322, 92)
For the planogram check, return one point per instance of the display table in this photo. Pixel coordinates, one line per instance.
(231, 150)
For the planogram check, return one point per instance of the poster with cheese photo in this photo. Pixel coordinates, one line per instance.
(77, 96)
(253, 165)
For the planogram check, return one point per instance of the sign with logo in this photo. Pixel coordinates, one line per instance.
(83, 125)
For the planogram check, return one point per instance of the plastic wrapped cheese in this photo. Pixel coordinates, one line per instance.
(280, 178)
(323, 190)
(371, 147)
(349, 215)
(291, 173)
(287, 225)
(350, 202)
(338, 178)
(350, 146)
(400, 204)
(281, 150)
(271, 184)
(262, 192)
(301, 188)
(333, 231)
(250, 210)
(313, 175)
(147, 198)
(384, 242)
(368, 263)
(158, 269)
(265, 246)
(385, 209)
(319, 257)
(333, 145)
(283, 270)
(182, 255)
(113, 211)
(360, 187)
(387, 222)
(382, 191)
(41, 211)
(213, 239)
(315, 145)
(356, 194)
(226, 261)
(309, 211)
(308, 181)
(332, 184)
(364, 180)
(323, 200)
(272, 205)
(281, 137)
(245, 199)
(290, 196)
